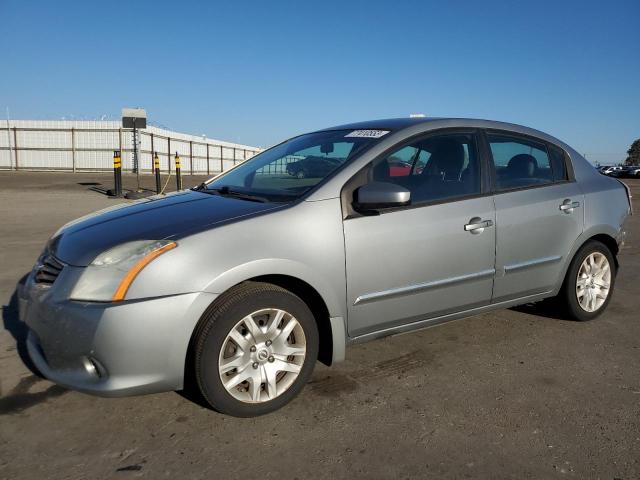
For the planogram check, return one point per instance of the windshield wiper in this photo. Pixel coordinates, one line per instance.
(227, 192)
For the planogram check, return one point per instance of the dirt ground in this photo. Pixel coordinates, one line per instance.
(511, 394)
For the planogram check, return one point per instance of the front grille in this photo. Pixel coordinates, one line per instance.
(48, 269)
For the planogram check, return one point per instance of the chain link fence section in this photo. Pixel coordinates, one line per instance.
(88, 146)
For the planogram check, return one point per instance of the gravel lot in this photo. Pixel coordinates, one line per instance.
(511, 394)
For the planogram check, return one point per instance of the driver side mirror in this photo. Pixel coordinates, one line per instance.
(376, 195)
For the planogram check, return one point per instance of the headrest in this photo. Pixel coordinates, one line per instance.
(447, 159)
(522, 165)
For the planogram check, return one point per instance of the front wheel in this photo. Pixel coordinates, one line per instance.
(589, 282)
(255, 349)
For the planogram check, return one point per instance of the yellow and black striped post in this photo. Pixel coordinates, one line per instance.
(178, 177)
(156, 168)
(117, 173)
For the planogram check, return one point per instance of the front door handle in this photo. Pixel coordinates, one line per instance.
(477, 225)
(568, 206)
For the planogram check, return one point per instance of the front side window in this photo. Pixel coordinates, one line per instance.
(287, 171)
(436, 168)
(519, 163)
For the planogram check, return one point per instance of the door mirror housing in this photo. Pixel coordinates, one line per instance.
(376, 195)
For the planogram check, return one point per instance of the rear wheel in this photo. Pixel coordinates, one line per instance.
(589, 282)
(255, 349)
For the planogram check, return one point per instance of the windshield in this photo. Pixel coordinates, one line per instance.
(286, 171)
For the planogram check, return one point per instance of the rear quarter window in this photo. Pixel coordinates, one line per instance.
(558, 164)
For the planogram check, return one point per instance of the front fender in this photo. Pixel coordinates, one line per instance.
(299, 271)
(278, 266)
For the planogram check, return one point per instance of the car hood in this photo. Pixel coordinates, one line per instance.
(172, 216)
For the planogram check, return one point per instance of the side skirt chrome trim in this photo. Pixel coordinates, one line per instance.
(531, 263)
(432, 322)
(420, 287)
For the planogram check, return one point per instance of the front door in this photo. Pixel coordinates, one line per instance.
(431, 258)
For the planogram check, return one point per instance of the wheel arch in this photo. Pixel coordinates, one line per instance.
(316, 304)
(605, 235)
(323, 302)
(609, 241)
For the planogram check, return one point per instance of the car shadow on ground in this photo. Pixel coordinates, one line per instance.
(17, 328)
(548, 308)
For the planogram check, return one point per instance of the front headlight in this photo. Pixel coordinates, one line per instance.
(109, 276)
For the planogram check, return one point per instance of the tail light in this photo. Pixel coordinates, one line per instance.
(629, 196)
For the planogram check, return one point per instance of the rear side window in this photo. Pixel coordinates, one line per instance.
(519, 163)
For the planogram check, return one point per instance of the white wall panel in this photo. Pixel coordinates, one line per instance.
(6, 159)
(49, 144)
(51, 160)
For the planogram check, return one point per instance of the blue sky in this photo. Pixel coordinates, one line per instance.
(258, 72)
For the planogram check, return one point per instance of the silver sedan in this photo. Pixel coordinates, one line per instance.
(245, 281)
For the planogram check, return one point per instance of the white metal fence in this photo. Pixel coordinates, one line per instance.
(89, 146)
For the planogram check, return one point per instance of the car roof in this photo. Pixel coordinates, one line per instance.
(398, 124)
(393, 124)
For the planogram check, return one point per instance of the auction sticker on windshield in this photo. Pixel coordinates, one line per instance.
(367, 133)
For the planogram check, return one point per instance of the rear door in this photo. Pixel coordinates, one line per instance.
(538, 214)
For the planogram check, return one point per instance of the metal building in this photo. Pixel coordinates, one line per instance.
(89, 145)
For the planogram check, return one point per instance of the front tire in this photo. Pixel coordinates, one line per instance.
(589, 283)
(255, 349)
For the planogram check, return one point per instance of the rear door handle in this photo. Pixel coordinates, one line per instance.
(477, 225)
(568, 206)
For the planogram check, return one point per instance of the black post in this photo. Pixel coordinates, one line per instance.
(178, 177)
(156, 167)
(117, 173)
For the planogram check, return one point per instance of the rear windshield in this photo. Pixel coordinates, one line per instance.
(286, 171)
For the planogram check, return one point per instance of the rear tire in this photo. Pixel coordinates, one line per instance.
(589, 282)
(254, 349)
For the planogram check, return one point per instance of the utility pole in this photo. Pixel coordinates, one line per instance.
(9, 140)
(136, 166)
(135, 118)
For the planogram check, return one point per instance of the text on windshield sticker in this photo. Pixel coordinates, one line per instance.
(367, 133)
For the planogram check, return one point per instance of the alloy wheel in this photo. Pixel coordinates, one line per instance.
(262, 355)
(593, 282)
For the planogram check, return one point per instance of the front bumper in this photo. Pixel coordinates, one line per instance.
(111, 349)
